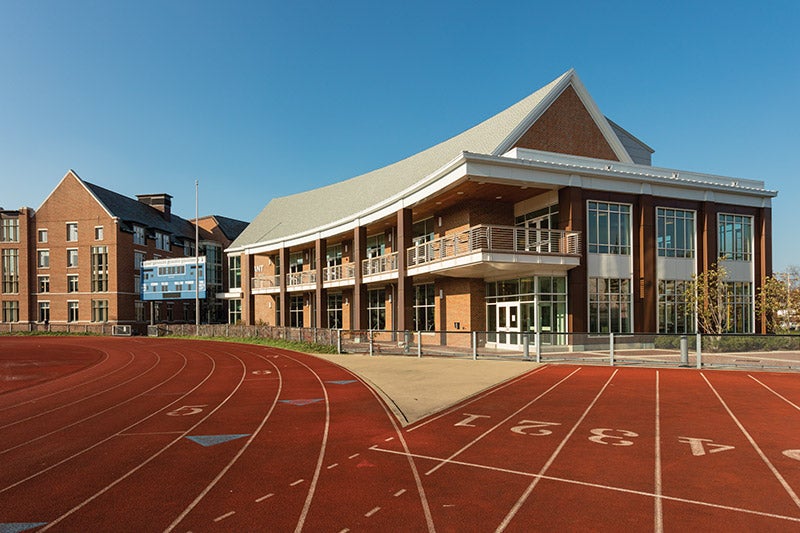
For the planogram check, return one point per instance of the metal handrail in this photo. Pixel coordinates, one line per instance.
(379, 264)
(509, 239)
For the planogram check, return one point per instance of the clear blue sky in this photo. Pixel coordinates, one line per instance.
(265, 99)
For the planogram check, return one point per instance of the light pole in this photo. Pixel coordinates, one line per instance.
(196, 259)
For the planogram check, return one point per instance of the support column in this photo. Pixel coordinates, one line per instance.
(762, 229)
(359, 290)
(321, 294)
(572, 216)
(645, 254)
(405, 288)
(248, 300)
(283, 296)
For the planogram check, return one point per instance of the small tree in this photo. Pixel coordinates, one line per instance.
(707, 295)
(772, 302)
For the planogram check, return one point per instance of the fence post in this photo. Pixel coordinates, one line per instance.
(526, 346)
(406, 340)
(538, 341)
(338, 341)
(371, 347)
(699, 349)
(611, 347)
(419, 344)
(474, 345)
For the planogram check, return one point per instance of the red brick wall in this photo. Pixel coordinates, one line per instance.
(567, 128)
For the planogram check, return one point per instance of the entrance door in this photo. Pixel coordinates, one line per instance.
(508, 327)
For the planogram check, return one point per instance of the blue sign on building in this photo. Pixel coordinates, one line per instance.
(173, 279)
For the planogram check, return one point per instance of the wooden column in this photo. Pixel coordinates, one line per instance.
(572, 216)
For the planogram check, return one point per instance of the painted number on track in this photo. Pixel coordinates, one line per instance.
(261, 372)
(703, 446)
(187, 410)
(470, 418)
(534, 427)
(614, 437)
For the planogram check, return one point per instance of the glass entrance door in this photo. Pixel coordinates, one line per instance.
(508, 325)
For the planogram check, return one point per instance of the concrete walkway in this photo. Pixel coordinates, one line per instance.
(416, 387)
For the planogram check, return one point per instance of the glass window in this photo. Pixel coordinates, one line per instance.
(376, 246)
(72, 283)
(42, 235)
(609, 305)
(138, 258)
(99, 268)
(44, 284)
(98, 233)
(72, 231)
(609, 228)
(735, 240)
(43, 258)
(9, 230)
(72, 311)
(674, 314)
(376, 309)
(739, 303)
(162, 241)
(335, 310)
(139, 236)
(99, 310)
(234, 311)
(235, 272)
(44, 312)
(296, 262)
(140, 311)
(424, 307)
(422, 231)
(72, 257)
(675, 233)
(10, 311)
(296, 311)
(10, 270)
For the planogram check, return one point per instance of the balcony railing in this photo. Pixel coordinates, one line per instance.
(305, 277)
(269, 282)
(379, 265)
(505, 239)
(339, 272)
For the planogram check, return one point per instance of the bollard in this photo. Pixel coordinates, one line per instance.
(338, 341)
(419, 344)
(699, 347)
(526, 348)
(684, 351)
(538, 341)
(611, 348)
(474, 345)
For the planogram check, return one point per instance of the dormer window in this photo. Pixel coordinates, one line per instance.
(162, 241)
(139, 235)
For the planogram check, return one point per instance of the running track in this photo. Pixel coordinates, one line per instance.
(107, 434)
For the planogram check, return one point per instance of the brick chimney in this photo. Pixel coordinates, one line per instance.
(162, 202)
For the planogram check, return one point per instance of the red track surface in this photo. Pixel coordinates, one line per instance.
(168, 435)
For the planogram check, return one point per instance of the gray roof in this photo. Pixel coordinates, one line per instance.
(230, 227)
(300, 213)
(131, 211)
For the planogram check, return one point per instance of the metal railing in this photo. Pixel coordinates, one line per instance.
(305, 277)
(490, 238)
(379, 265)
(339, 272)
(268, 282)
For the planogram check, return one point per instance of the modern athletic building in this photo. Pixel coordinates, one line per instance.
(76, 260)
(546, 217)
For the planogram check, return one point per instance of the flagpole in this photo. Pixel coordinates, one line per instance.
(196, 259)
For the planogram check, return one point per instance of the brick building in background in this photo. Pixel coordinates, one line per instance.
(545, 217)
(76, 260)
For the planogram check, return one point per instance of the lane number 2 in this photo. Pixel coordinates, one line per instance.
(187, 410)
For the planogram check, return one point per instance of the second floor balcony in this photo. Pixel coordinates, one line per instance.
(380, 267)
(488, 250)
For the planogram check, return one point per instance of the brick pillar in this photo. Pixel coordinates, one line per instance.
(359, 290)
(762, 230)
(707, 236)
(645, 299)
(405, 288)
(572, 216)
(248, 300)
(283, 296)
(321, 294)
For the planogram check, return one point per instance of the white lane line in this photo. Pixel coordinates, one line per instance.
(153, 456)
(223, 517)
(775, 393)
(659, 508)
(345, 530)
(265, 497)
(506, 419)
(372, 512)
(594, 485)
(476, 398)
(354, 456)
(399, 493)
(423, 499)
(96, 444)
(389, 439)
(792, 494)
(241, 450)
(296, 483)
(517, 506)
(151, 433)
(334, 465)
(322, 448)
